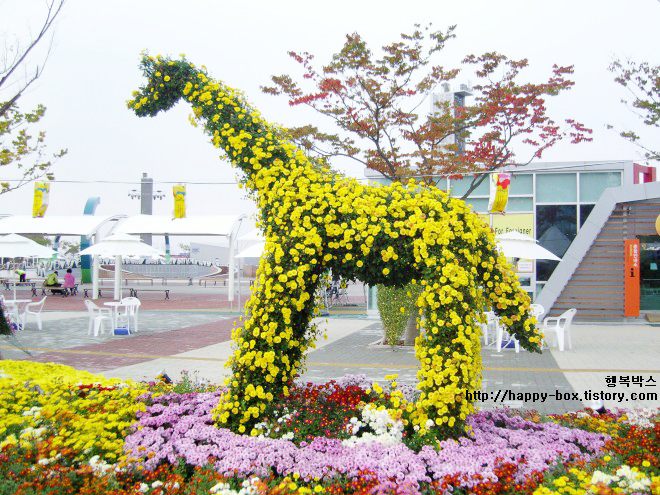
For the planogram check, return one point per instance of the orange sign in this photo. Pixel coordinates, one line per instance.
(631, 283)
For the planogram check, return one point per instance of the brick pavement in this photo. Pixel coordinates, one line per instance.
(191, 333)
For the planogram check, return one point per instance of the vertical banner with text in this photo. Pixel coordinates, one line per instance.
(179, 201)
(499, 192)
(631, 283)
(40, 204)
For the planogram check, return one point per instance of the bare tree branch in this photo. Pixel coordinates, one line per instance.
(19, 148)
(52, 12)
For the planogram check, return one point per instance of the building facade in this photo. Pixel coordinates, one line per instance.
(552, 202)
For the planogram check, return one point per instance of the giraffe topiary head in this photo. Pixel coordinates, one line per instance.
(167, 80)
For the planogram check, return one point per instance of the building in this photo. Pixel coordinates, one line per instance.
(583, 212)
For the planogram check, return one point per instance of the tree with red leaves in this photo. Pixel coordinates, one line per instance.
(377, 102)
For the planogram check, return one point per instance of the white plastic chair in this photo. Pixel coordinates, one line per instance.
(132, 305)
(561, 326)
(33, 308)
(503, 335)
(489, 326)
(537, 310)
(97, 316)
(342, 296)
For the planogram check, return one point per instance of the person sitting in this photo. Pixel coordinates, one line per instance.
(51, 280)
(69, 281)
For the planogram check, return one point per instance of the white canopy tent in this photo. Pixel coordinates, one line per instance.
(207, 225)
(75, 225)
(119, 245)
(254, 251)
(222, 225)
(86, 225)
(89, 225)
(517, 245)
(255, 235)
(16, 246)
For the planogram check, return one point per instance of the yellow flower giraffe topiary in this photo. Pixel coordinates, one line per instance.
(315, 219)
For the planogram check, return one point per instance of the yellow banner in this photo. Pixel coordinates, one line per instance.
(518, 222)
(499, 192)
(41, 190)
(179, 201)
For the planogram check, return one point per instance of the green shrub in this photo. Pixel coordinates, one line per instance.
(395, 305)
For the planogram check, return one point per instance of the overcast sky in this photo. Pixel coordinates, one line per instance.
(93, 68)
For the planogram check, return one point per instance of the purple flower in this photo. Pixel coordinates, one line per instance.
(179, 428)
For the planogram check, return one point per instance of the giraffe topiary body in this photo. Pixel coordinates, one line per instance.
(315, 219)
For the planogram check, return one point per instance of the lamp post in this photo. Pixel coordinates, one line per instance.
(146, 195)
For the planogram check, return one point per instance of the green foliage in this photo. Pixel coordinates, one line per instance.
(5, 329)
(41, 239)
(23, 150)
(19, 146)
(67, 247)
(379, 104)
(395, 305)
(643, 83)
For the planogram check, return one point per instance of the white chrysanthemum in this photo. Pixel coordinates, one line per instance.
(642, 417)
(249, 487)
(100, 466)
(625, 478)
(385, 429)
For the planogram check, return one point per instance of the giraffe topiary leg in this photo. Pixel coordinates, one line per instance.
(269, 348)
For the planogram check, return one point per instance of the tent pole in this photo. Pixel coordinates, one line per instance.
(232, 241)
(96, 264)
(117, 278)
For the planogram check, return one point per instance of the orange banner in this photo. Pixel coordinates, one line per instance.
(631, 284)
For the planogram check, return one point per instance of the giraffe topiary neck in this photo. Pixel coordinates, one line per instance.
(271, 164)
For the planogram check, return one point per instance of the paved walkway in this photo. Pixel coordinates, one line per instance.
(177, 337)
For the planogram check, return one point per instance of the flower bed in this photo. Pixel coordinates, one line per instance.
(66, 431)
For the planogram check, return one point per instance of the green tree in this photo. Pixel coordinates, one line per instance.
(69, 247)
(20, 147)
(41, 239)
(642, 80)
(377, 102)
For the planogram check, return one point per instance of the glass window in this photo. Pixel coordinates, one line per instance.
(556, 226)
(478, 204)
(649, 268)
(584, 213)
(544, 269)
(593, 184)
(519, 204)
(441, 183)
(460, 186)
(539, 288)
(381, 180)
(556, 188)
(521, 184)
